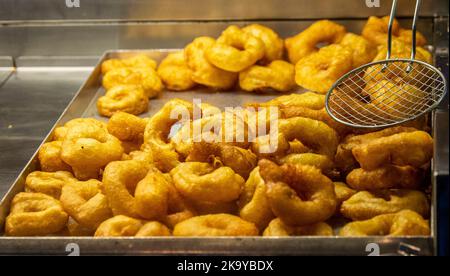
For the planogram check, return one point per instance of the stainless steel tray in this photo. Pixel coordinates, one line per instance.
(84, 105)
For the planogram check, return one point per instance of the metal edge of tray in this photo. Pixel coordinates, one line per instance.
(333, 245)
(219, 246)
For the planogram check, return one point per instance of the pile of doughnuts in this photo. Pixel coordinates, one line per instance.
(254, 58)
(132, 176)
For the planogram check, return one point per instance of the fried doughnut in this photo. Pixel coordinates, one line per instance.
(363, 51)
(143, 156)
(140, 61)
(296, 146)
(343, 192)
(178, 209)
(227, 128)
(400, 50)
(308, 99)
(365, 205)
(386, 177)
(403, 223)
(344, 158)
(402, 149)
(376, 29)
(273, 44)
(175, 73)
(157, 131)
(215, 225)
(241, 161)
(85, 202)
(130, 146)
(298, 194)
(119, 226)
(306, 42)
(126, 98)
(396, 99)
(406, 36)
(49, 183)
(60, 132)
(159, 127)
(289, 111)
(120, 179)
(209, 208)
(152, 195)
(134, 189)
(74, 229)
(314, 134)
(253, 203)
(153, 228)
(278, 228)
(203, 72)
(127, 127)
(322, 162)
(318, 71)
(50, 157)
(87, 148)
(35, 214)
(145, 77)
(235, 50)
(202, 182)
(278, 75)
(271, 146)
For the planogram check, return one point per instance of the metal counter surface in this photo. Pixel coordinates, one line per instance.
(31, 100)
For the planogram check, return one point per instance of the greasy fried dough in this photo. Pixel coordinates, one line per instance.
(344, 158)
(278, 228)
(127, 98)
(298, 194)
(242, 161)
(140, 61)
(403, 223)
(35, 214)
(145, 77)
(306, 42)
(273, 44)
(314, 134)
(49, 183)
(402, 149)
(202, 182)
(85, 202)
(277, 75)
(318, 71)
(363, 51)
(215, 225)
(61, 131)
(365, 205)
(175, 73)
(87, 148)
(119, 226)
(50, 157)
(204, 72)
(127, 127)
(386, 177)
(253, 203)
(153, 228)
(235, 50)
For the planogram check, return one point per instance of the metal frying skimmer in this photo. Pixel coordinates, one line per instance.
(387, 92)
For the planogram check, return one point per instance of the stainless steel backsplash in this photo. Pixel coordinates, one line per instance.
(163, 10)
(50, 28)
